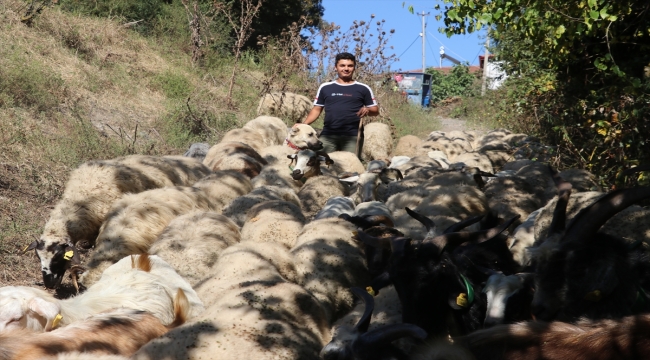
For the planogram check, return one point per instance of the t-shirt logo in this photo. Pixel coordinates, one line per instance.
(337, 94)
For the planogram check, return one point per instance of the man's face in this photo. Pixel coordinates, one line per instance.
(345, 68)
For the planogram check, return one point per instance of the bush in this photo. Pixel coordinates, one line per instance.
(457, 83)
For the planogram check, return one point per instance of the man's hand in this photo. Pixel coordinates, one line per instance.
(363, 112)
(368, 111)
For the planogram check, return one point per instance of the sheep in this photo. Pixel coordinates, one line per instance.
(234, 155)
(139, 282)
(253, 312)
(316, 191)
(624, 338)
(378, 141)
(510, 196)
(90, 191)
(276, 154)
(523, 237)
(247, 136)
(273, 221)
(345, 162)
(374, 208)
(136, 220)
(336, 206)
(492, 136)
(116, 332)
(599, 274)
(582, 180)
(359, 341)
(197, 151)
(407, 146)
(238, 209)
(277, 174)
(272, 129)
(475, 159)
(499, 153)
(285, 104)
(329, 261)
(540, 178)
(308, 164)
(222, 187)
(192, 243)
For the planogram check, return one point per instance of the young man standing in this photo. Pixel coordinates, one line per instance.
(345, 101)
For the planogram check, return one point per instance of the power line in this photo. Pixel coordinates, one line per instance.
(446, 48)
(416, 39)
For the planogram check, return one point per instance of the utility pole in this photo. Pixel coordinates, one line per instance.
(423, 14)
(485, 63)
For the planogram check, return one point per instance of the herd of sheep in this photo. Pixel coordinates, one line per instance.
(264, 247)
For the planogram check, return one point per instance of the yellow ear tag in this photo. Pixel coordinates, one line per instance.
(68, 255)
(370, 291)
(25, 249)
(594, 296)
(56, 320)
(461, 300)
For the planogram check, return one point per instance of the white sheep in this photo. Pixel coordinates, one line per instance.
(407, 146)
(247, 136)
(192, 243)
(378, 141)
(336, 206)
(523, 237)
(278, 174)
(253, 312)
(316, 191)
(238, 209)
(272, 129)
(345, 162)
(511, 196)
(329, 261)
(138, 282)
(136, 220)
(234, 155)
(89, 193)
(285, 104)
(273, 221)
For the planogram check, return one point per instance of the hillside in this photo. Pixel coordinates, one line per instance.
(76, 88)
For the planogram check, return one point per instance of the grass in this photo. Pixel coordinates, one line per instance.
(75, 88)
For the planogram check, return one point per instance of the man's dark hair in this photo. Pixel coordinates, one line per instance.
(345, 56)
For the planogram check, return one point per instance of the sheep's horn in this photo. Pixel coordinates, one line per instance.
(558, 223)
(369, 307)
(387, 334)
(448, 242)
(428, 223)
(463, 224)
(590, 219)
(380, 243)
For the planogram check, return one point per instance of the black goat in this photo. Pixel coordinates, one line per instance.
(581, 272)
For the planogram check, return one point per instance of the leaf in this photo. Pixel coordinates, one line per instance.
(592, 3)
(594, 14)
(486, 18)
(559, 31)
(602, 131)
(603, 13)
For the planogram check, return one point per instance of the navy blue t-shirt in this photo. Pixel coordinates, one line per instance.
(342, 102)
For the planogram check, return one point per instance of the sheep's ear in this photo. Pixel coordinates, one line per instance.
(351, 179)
(46, 309)
(326, 159)
(71, 254)
(292, 156)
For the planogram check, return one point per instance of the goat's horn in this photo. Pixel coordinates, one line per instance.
(428, 223)
(463, 224)
(558, 223)
(381, 281)
(387, 334)
(369, 304)
(450, 241)
(590, 219)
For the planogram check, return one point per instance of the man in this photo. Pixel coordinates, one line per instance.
(345, 101)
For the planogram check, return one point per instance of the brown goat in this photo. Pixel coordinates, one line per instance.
(118, 332)
(625, 338)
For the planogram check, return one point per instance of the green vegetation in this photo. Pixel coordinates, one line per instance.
(459, 82)
(579, 75)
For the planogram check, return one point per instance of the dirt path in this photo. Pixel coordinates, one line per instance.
(449, 124)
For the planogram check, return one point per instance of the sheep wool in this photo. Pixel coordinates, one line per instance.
(247, 136)
(234, 155)
(316, 191)
(278, 174)
(273, 221)
(378, 142)
(286, 105)
(193, 242)
(345, 161)
(407, 146)
(222, 187)
(329, 261)
(238, 209)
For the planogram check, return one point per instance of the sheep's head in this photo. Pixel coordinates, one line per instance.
(303, 136)
(500, 290)
(26, 308)
(308, 163)
(357, 343)
(56, 256)
(587, 273)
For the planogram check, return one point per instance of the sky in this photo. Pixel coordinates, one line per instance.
(406, 40)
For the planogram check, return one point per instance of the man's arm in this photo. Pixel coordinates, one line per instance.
(372, 110)
(314, 113)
